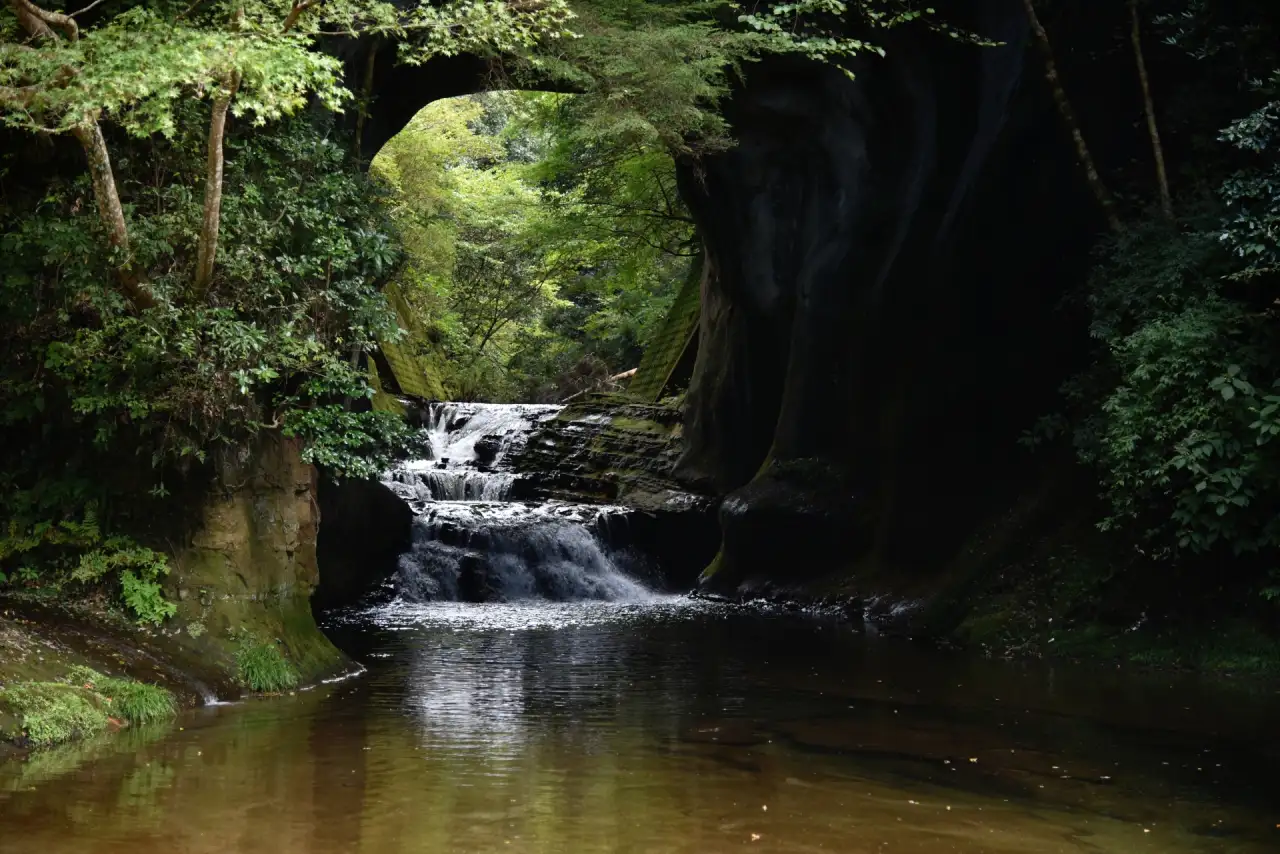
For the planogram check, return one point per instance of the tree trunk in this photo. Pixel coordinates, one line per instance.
(110, 211)
(366, 95)
(1096, 184)
(208, 248)
(1148, 103)
(38, 24)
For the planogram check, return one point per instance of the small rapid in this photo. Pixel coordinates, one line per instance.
(472, 543)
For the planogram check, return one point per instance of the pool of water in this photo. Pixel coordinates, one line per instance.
(670, 726)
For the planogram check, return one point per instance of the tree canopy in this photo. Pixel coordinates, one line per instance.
(203, 260)
(529, 255)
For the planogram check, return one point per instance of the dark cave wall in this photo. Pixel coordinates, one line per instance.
(886, 265)
(881, 310)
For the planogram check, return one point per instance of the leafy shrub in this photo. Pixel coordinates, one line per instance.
(74, 551)
(1178, 414)
(138, 570)
(263, 668)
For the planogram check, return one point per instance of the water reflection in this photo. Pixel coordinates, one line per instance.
(671, 728)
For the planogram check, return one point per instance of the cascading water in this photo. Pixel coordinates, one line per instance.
(471, 543)
(469, 443)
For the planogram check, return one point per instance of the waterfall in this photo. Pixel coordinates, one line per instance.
(469, 444)
(454, 429)
(471, 543)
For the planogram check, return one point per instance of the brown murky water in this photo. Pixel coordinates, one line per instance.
(671, 728)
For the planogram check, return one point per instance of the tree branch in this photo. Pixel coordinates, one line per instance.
(87, 8)
(37, 21)
(295, 13)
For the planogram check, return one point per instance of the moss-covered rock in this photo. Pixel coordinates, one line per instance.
(250, 567)
(608, 448)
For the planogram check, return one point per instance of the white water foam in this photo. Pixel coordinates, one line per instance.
(471, 544)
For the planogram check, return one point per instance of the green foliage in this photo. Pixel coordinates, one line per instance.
(263, 668)
(52, 712)
(139, 66)
(138, 569)
(655, 73)
(1181, 412)
(74, 551)
(128, 700)
(540, 263)
(350, 444)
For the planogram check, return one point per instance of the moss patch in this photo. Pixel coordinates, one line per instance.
(52, 712)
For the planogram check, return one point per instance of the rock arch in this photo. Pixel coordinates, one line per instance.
(879, 301)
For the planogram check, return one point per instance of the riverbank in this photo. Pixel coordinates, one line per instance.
(1040, 581)
(47, 646)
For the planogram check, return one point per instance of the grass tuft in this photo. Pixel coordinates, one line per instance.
(264, 669)
(84, 704)
(127, 699)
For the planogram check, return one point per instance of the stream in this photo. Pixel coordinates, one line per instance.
(669, 726)
(530, 689)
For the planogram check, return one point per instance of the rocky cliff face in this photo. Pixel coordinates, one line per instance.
(241, 574)
(366, 529)
(880, 299)
(250, 567)
(613, 450)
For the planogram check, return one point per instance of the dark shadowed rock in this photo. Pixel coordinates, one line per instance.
(366, 527)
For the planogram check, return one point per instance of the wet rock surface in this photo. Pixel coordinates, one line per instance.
(609, 449)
